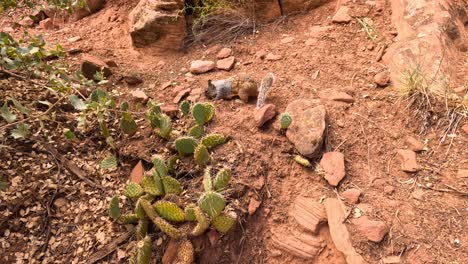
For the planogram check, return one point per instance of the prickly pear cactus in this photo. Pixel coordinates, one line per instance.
(142, 228)
(185, 254)
(169, 211)
(224, 222)
(114, 210)
(203, 113)
(152, 185)
(129, 219)
(133, 190)
(144, 250)
(185, 107)
(171, 185)
(160, 166)
(196, 131)
(167, 228)
(212, 203)
(213, 140)
(190, 212)
(286, 120)
(165, 127)
(139, 211)
(171, 163)
(186, 145)
(149, 210)
(201, 155)
(207, 182)
(303, 161)
(222, 179)
(202, 222)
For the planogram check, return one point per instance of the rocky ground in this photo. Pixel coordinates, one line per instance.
(379, 190)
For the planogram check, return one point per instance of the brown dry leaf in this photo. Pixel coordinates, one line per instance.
(137, 173)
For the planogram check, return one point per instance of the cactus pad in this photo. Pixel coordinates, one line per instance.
(224, 222)
(171, 163)
(151, 185)
(185, 145)
(196, 131)
(185, 107)
(169, 211)
(149, 210)
(303, 161)
(202, 222)
(212, 203)
(222, 179)
(190, 212)
(160, 166)
(144, 250)
(171, 185)
(133, 190)
(129, 219)
(139, 211)
(165, 127)
(213, 140)
(142, 228)
(207, 182)
(167, 228)
(185, 254)
(114, 210)
(201, 155)
(203, 112)
(285, 120)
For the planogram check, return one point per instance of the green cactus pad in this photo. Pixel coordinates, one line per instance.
(213, 140)
(224, 222)
(142, 228)
(303, 161)
(149, 210)
(160, 166)
(185, 254)
(133, 190)
(167, 228)
(207, 182)
(152, 186)
(202, 222)
(222, 179)
(201, 155)
(171, 185)
(171, 163)
(148, 197)
(196, 131)
(185, 107)
(129, 219)
(139, 211)
(165, 127)
(190, 212)
(285, 120)
(144, 250)
(203, 113)
(169, 211)
(114, 210)
(212, 203)
(186, 145)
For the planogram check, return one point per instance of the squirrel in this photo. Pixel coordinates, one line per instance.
(242, 86)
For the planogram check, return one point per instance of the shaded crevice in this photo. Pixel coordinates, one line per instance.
(280, 3)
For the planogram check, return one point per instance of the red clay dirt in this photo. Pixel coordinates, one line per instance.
(427, 218)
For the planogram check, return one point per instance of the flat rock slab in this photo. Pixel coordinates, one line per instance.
(334, 167)
(374, 230)
(309, 214)
(298, 244)
(200, 66)
(409, 162)
(264, 114)
(339, 233)
(308, 125)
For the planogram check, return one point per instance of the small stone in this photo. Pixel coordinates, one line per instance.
(311, 41)
(382, 78)
(180, 95)
(258, 183)
(299, 244)
(112, 64)
(213, 237)
(340, 97)
(224, 53)
(261, 54)
(389, 189)
(47, 24)
(275, 253)
(170, 109)
(212, 49)
(308, 213)
(161, 63)
(196, 91)
(334, 167)
(391, 260)
(74, 39)
(465, 128)
(177, 89)
(184, 70)
(409, 162)
(226, 64)
(253, 205)
(90, 65)
(373, 230)
(200, 66)
(272, 57)
(139, 96)
(418, 194)
(287, 40)
(26, 22)
(60, 202)
(342, 15)
(352, 195)
(414, 144)
(166, 84)
(132, 79)
(8, 29)
(264, 114)
(462, 173)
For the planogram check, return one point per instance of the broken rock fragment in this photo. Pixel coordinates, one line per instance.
(333, 166)
(342, 15)
(264, 114)
(200, 66)
(308, 213)
(298, 244)
(409, 162)
(226, 64)
(373, 230)
(90, 65)
(352, 195)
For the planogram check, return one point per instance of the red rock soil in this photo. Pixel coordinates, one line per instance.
(426, 226)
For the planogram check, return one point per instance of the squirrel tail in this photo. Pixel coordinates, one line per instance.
(265, 86)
